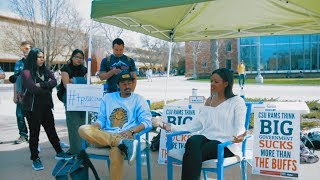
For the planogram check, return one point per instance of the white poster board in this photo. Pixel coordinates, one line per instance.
(84, 97)
(177, 115)
(276, 145)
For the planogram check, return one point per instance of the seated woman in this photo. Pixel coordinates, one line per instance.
(221, 119)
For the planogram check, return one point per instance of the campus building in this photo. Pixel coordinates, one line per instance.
(271, 55)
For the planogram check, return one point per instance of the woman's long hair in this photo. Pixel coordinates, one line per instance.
(31, 63)
(227, 76)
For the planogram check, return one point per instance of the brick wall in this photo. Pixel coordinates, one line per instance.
(205, 56)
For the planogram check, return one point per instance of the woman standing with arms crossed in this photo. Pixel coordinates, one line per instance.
(38, 82)
(221, 119)
(74, 68)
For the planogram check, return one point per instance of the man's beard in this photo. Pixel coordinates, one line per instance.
(127, 91)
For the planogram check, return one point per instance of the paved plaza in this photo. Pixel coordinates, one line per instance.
(15, 162)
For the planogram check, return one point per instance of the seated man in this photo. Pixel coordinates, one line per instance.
(122, 114)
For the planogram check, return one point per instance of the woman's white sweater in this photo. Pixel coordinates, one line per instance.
(219, 123)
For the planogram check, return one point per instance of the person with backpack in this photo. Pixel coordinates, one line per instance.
(74, 119)
(17, 92)
(37, 84)
(117, 63)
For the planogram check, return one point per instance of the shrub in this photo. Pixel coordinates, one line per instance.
(312, 115)
(309, 124)
(313, 105)
(159, 104)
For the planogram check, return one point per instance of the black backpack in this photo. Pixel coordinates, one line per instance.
(313, 140)
(76, 168)
(61, 90)
(155, 142)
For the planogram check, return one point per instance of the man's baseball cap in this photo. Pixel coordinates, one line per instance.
(125, 76)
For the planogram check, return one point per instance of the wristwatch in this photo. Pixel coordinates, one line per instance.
(132, 132)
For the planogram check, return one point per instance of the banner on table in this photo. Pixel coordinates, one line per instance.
(177, 115)
(84, 97)
(276, 146)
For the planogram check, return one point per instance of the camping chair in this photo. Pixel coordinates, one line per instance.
(143, 147)
(214, 165)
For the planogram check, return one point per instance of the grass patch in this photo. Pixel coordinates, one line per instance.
(313, 105)
(309, 124)
(293, 81)
(286, 81)
(159, 104)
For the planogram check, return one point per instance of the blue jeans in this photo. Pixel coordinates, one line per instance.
(241, 80)
(74, 120)
(23, 131)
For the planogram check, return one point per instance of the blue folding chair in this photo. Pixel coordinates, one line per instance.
(102, 153)
(214, 165)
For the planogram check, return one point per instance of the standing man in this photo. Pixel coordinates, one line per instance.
(17, 88)
(117, 63)
(121, 115)
(242, 74)
(149, 74)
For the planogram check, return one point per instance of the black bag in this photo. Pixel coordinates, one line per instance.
(306, 154)
(75, 168)
(155, 142)
(314, 140)
(60, 91)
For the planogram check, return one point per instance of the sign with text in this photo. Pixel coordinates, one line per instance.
(177, 115)
(84, 97)
(276, 146)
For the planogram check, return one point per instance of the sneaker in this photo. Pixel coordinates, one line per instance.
(37, 165)
(21, 139)
(129, 148)
(64, 145)
(63, 155)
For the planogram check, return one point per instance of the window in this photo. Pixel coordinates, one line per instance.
(228, 46)
(7, 66)
(204, 64)
(228, 63)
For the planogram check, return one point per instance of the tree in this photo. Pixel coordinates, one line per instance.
(105, 35)
(157, 52)
(196, 49)
(151, 53)
(52, 25)
(214, 54)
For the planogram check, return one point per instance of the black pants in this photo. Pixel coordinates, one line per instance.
(41, 115)
(198, 149)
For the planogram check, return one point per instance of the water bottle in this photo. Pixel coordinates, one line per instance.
(144, 158)
(242, 93)
(194, 92)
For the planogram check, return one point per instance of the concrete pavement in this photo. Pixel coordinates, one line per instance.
(15, 163)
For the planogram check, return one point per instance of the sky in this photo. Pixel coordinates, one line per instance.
(84, 7)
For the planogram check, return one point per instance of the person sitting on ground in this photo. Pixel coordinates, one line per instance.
(221, 119)
(121, 115)
(300, 75)
(38, 82)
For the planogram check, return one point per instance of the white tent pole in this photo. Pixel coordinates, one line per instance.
(89, 63)
(168, 71)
